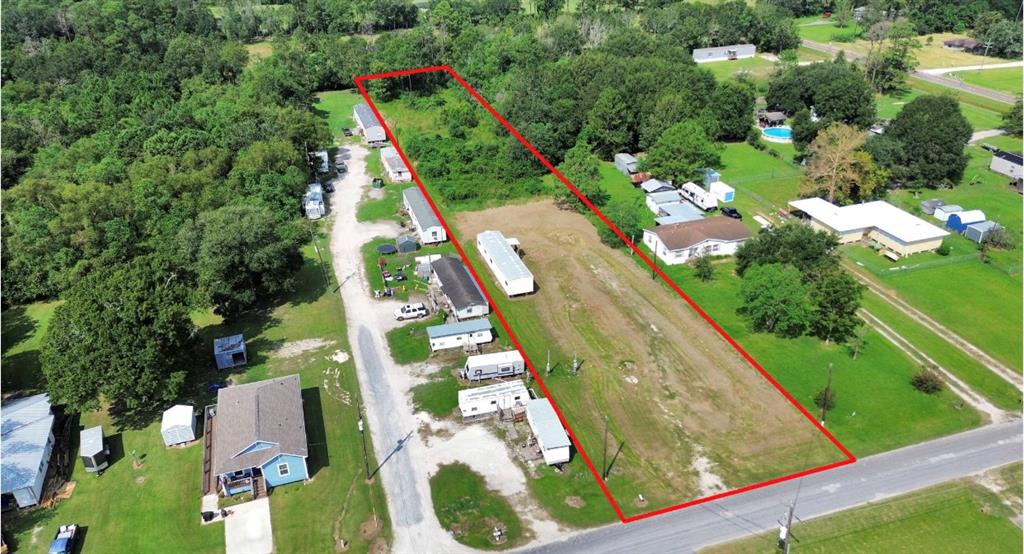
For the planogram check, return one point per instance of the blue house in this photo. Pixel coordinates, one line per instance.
(259, 436)
(27, 442)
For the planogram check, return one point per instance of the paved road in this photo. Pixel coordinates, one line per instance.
(872, 478)
(924, 75)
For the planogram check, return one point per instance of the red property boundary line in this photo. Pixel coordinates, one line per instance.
(360, 80)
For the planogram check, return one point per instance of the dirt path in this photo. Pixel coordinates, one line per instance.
(1013, 377)
(965, 392)
(982, 135)
(407, 459)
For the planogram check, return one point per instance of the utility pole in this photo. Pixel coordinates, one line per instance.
(827, 396)
(316, 247)
(604, 455)
(547, 368)
(575, 365)
(786, 529)
(362, 435)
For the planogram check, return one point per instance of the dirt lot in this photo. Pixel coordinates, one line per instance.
(691, 414)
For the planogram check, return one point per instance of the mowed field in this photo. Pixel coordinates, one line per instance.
(692, 417)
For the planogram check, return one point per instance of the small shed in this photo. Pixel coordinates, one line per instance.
(91, 449)
(387, 249)
(230, 351)
(960, 220)
(928, 206)
(178, 425)
(978, 231)
(626, 163)
(943, 212)
(711, 176)
(405, 244)
(722, 191)
(652, 186)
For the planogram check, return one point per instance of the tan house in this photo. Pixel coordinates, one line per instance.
(901, 233)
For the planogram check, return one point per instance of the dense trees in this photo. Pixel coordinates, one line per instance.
(121, 336)
(837, 92)
(1014, 119)
(681, 153)
(1001, 36)
(838, 167)
(775, 300)
(924, 144)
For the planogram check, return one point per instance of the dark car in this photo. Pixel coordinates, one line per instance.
(64, 541)
(341, 167)
(731, 212)
(328, 187)
(347, 132)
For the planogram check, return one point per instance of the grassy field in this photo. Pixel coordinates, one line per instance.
(408, 343)
(470, 511)
(597, 306)
(155, 508)
(259, 50)
(980, 114)
(826, 32)
(1003, 79)
(931, 55)
(758, 68)
(336, 106)
(403, 262)
(955, 517)
(23, 329)
(387, 206)
(439, 396)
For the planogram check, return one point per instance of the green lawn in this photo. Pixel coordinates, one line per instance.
(758, 68)
(1005, 79)
(955, 517)
(406, 263)
(23, 329)
(828, 32)
(981, 114)
(336, 106)
(470, 511)
(439, 396)
(155, 508)
(552, 490)
(408, 343)
(386, 207)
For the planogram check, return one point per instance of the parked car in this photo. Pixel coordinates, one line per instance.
(328, 187)
(341, 166)
(347, 132)
(728, 211)
(65, 539)
(378, 182)
(411, 311)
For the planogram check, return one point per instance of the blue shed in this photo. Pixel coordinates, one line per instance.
(960, 220)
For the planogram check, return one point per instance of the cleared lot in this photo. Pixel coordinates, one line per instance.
(691, 415)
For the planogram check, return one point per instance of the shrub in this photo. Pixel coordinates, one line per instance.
(825, 402)
(943, 249)
(927, 381)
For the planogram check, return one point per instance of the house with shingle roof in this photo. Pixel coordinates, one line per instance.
(458, 286)
(259, 436)
(678, 243)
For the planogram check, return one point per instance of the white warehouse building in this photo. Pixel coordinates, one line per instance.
(509, 270)
(551, 438)
(481, 402)
(427, 225)
(494, 365)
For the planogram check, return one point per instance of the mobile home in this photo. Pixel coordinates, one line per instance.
(393, 165)
(426, 222)
(723, 53)
(547, 428)
(493, 366)
(456, 283)
(369, 126)
(459, 335)
(503, 260)
(313, 202)
(480, 402)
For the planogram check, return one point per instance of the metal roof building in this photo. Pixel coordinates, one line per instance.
(482, 402)
(678, 212)
(461, 334)
(897, 230)
(25, 447)
(509, 270)
(459, 287)
(368, 124)
(656, 185)
(426, 222)
(551, 438)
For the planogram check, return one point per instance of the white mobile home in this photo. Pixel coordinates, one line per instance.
(626, 163)
(493, 366)
(313, 202)
(677, 243)
(178, 425)
(698, 196)
(723, 53)
(427, 225)
(509, 270)
(459, 335)
(26, 445)
(481, 402)
(1011, 165)
(369, 126)
(393, 165)
(465, 299)
(547, 428)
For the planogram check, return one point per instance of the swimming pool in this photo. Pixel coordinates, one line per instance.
(778, 134)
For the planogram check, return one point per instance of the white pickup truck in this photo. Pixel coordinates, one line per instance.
(411, 311)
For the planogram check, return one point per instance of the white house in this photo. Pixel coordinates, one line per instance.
(722, 53)
(494, 365)
(313, 202)
(459, 335)
(508, 269)
(178, 425)
(547, 428)
(656, 200)
(426, 222)
(900, 232)
(369, 126)
(25, 447)
(1011, 165)
(481, 402)
(677, 243)
(393, 165)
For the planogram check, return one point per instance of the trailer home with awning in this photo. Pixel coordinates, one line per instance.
(504, 262)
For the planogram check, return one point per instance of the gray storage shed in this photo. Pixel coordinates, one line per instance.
(978, 231)
(626, 163)
(178, 425)
(928, 206)
(229, 351)
(91, 449)
(406, 243)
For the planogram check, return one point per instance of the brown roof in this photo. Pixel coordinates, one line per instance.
(265, 411)
(678, 236)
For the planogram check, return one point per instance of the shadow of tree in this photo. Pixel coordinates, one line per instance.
(22, 373)
(23, 522)
(16, 326)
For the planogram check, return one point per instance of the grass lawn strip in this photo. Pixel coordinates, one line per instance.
(956, 517)
(470, 511)
(1004, 79)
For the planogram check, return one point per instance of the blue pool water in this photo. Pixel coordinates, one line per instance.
(778, 133)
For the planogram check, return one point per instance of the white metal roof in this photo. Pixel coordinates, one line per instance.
(970, 216)
(655, 185)
(421, 210)
(26, 425)
(879, 215)
(506, 261)
(389, 156)
(666, 197)
(176, 416)
(545, 423)
(459, 328)
(494, 358)
(492, 391)
(91, 441)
